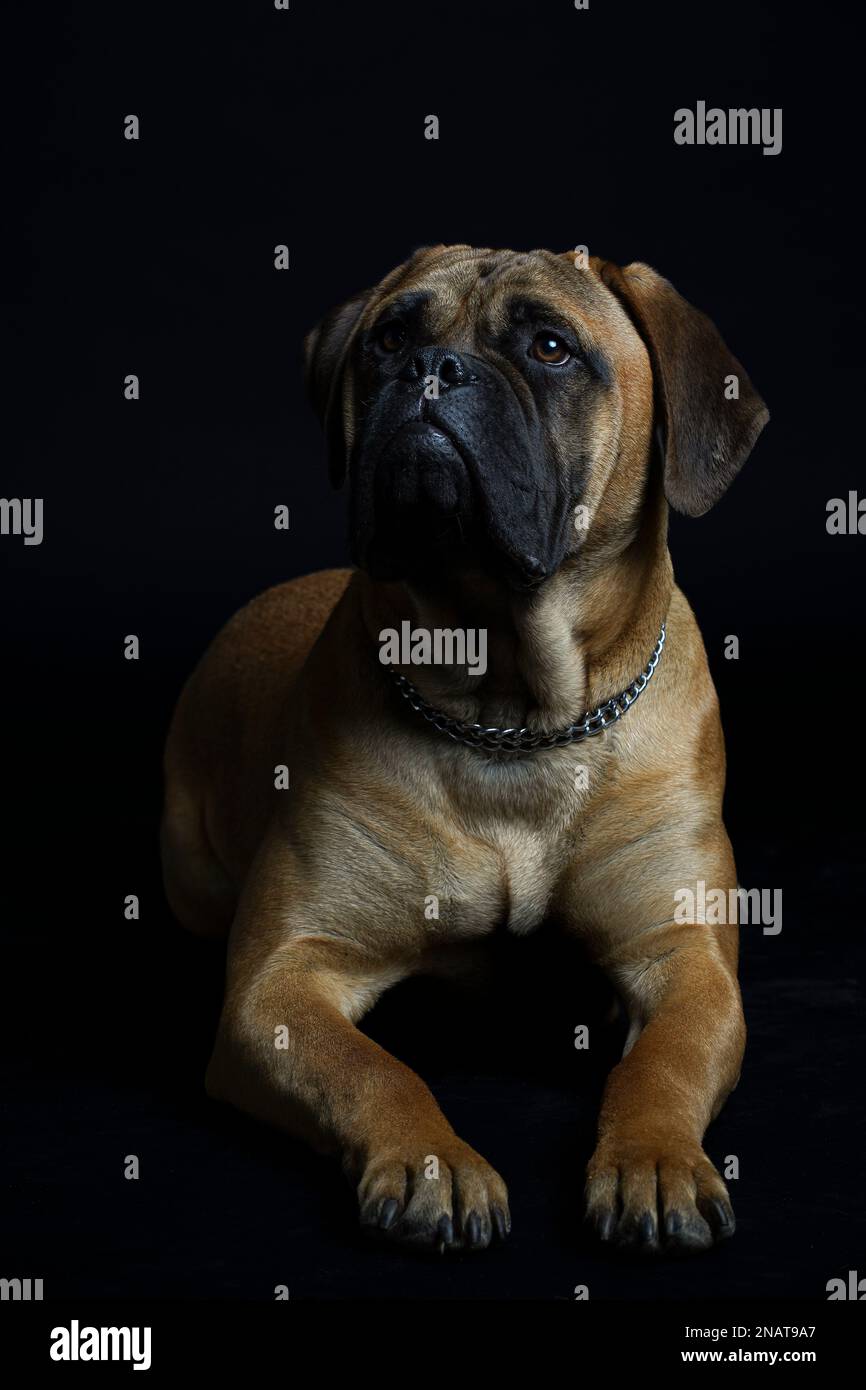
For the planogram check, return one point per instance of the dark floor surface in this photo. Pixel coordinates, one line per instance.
(111, 1027)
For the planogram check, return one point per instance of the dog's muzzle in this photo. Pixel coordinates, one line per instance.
(449, 462)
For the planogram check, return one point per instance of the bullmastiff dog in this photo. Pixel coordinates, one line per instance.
(513, 428)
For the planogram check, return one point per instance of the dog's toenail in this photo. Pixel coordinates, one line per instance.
(500, 1222)
(388, 1214)
(647, 1228)
(673, 1223)
(605, 1225)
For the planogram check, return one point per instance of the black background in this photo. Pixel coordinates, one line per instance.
(261, 127)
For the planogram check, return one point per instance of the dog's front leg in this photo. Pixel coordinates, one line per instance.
(288, 1052)
(649, 1183)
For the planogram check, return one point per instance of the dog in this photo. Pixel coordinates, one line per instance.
(513, 427)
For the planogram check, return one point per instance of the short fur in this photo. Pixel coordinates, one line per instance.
(323, 887)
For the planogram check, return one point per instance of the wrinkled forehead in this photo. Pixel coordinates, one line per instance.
(460, 291)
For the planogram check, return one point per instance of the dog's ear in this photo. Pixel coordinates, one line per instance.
(711, 414)
(326, 353)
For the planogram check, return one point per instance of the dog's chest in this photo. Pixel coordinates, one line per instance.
(527, 868)
(503, 837)
(503, 874)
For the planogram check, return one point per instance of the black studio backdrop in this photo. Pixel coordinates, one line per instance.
(156, 257)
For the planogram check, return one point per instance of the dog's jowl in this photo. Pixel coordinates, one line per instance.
(577, 779)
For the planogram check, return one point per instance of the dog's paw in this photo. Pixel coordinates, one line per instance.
(656, 1198)
(440, 1197)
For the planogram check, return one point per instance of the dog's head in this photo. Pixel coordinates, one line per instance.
(499, 408)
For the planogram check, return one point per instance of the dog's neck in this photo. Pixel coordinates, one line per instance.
(551, 654)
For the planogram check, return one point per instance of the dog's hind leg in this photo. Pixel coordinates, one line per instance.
(198, 889)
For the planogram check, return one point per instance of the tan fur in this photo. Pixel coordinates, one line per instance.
(325, 884)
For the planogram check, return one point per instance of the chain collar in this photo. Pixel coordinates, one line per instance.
(525, 740)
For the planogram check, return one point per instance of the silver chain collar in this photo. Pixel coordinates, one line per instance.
(524, 740)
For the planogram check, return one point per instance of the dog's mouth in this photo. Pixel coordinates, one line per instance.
(459, 481)
(423, 466)
(432, 512)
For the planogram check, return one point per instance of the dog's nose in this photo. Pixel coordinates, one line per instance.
(443, 363)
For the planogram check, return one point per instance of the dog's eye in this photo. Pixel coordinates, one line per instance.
(391, 336)
(549, 349)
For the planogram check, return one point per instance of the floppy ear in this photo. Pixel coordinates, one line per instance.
(707, 435)
(326, 352)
